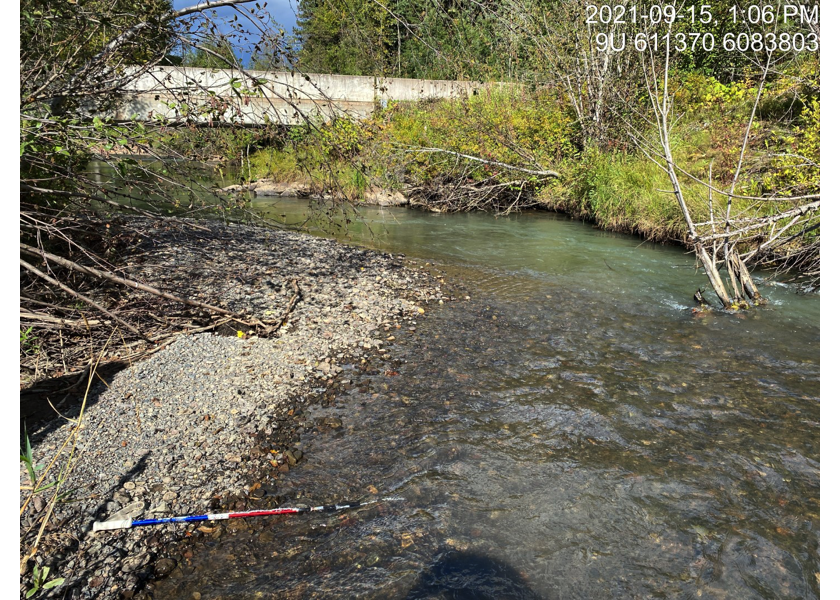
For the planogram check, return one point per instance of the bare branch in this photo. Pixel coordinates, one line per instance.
(81, 297)
(120, 280)
(759, 222)
(538, 173)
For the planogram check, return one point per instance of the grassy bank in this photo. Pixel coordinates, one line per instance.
(612, 183)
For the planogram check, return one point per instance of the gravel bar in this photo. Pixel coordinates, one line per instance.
(183, 431)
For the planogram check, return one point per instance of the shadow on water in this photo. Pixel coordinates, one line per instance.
(459, 575)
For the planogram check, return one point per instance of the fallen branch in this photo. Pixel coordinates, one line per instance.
(540, 173)
(120, 280)
(29, 315)
(79, 296)
(298, 295)
(764, 221)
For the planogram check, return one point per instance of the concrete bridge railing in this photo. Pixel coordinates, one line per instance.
(222, 95)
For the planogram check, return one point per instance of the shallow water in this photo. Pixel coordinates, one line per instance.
(571, 431)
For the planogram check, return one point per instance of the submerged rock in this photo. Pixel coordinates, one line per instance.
(164, 567)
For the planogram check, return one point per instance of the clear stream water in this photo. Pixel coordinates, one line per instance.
(571, 431)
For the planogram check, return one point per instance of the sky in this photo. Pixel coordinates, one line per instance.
(283, 11)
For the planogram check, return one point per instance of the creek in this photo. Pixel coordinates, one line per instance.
(572, 430)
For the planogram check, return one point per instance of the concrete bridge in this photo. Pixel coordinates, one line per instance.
(217, 96)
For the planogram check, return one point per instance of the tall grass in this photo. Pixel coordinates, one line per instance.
(619, 192)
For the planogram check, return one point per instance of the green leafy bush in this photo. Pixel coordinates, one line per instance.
(694, 91)
(795, 168)
(506, 124)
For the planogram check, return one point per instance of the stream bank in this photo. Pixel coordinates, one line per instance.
(195, 426)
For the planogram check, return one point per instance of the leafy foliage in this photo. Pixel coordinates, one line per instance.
(456, 39)
(795, 168)
(695, 91)
(507, 125)
(39, 581)
(347, 37)
(213, 53)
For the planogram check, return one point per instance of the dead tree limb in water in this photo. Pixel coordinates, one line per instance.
(727, 240)
(662, 111)
(739, 275)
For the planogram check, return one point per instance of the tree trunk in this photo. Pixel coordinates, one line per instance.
(712, 274)
(743, 275)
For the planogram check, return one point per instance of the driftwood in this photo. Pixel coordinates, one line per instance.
(27, 316)
(79, 296)
(492, 163)
(296, 297)
(120, 280)
(464, 195)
